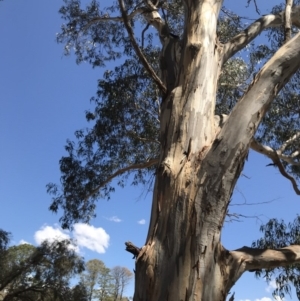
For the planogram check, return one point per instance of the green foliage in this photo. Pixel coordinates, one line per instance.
(4, 239)
(125, 121)
(278, 234)
(43, 273)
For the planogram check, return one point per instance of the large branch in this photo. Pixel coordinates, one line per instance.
(121, 171)
(138, 51)
(247, 114)
(251, 32)
(253, 258)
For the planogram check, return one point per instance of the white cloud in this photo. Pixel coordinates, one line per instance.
(142, 222)
(95, 239)
(86, 236)
(265, 299)
(24, 242)
(50, 233)
(114, 219)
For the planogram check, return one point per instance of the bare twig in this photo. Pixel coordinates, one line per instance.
(121, 171)
(255, 4)
(138, 51)
(235, 217)
(254, 204)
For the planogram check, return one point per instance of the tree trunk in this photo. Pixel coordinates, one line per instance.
(183, 258)
(199, 165)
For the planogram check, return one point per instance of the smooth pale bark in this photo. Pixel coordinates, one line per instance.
(199, 165)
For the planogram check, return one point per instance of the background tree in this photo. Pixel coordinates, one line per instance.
(79, 293)
(105, 289)
(121, 277)
(91, 276)
(4, 239)
(185, 113)
(38, 273)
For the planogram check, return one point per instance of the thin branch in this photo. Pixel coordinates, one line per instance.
(143, 33)
(251, 32)
(272, 154)
(287, 20)
(255, 4)
(288, 142)
(254, 204)
(235, 217)
(114, 19)
(138, 51)
(269, 152)
(121, 171)
(294, 154)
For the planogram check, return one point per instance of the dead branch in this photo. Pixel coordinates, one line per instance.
(131, 248)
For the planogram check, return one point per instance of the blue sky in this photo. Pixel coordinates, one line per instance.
(43, 97)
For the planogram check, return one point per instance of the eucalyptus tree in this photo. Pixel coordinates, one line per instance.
(183, 106)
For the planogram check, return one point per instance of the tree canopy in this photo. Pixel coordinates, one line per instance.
(124, 136)
(188, 96)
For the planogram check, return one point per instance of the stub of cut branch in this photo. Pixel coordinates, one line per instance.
(131, 248)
